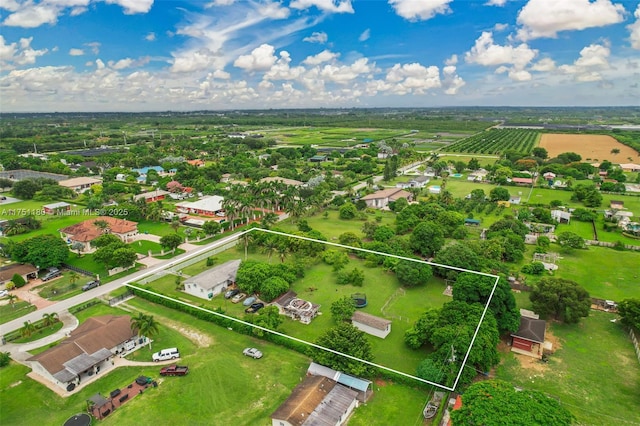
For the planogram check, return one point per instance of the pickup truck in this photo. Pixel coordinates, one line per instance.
(175, 370)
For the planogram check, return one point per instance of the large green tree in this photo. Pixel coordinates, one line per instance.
(171, 241)
(343, 309)
(496, 402)
(629, 310)
(43, 251)
(458, 255)
(560, 298)
(474, 288)
(273, 287)
(346, 339)
(427, 238)
(412, 274)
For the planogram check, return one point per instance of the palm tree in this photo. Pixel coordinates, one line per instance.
(28, 329)
(12, 298)
(73, 277)
(78, 247)
(145, 325)
(269, 219)
(50, 319)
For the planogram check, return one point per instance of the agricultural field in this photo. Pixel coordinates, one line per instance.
(330, 136)
(590, 147)
(497, 141)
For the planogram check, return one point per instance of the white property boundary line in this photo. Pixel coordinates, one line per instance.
(240, 234)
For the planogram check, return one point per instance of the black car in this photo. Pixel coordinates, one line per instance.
(229, 294)
(254, 308)
(90, 285)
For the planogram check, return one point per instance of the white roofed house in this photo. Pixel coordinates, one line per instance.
(79, 184)
(214, 281)
(381, 199)
(206, 206)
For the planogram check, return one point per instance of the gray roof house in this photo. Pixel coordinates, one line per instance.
(371, 324)
(214, 281)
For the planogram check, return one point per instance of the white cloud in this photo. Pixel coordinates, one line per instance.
(150, 37)
(261, 58)
(273, 10)
(32, 16)
(121, 64)
(498, 3)
(317, 37)
(413, 78)
(76, 52)
(422, 10)
(95, 46)
(588, 67)
(365, 35)
(281, 69)
(634, 30)
(485, 52)
(451, 82)
(545, 18)
(333, 6)
(344, 74)
(453, 60)
(220, 3)
(132, 7)
(17, 54)
(544, 65)
(10, 5)
(324, 56)
(500, 27)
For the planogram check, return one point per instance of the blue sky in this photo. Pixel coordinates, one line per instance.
(151, 55)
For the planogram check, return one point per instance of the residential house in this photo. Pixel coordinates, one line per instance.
(430, 172)
(226, 177)
(381, 199)
(87, 231)
(362, 386)
(151, 196)
(549, 176)
(515, 199)
(214, 281)
(371, 324)
(316, 401)
(196, 163)
(477, 175)
(630, 167)
(522, 181)
(209, 205)
(79, 184)
(56, 208)
(121, 177)
(298, 309)
(529, 339)
(616, 205)
(318, 158)
(289, 182)
(26, 271)
(561, 216)
(144, 171)
(86, 352)
(415, 182)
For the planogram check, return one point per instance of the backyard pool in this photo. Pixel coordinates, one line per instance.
(457, 175)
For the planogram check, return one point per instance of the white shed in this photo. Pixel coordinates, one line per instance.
(371, 324)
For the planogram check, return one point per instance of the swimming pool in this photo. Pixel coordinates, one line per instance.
(458, 175)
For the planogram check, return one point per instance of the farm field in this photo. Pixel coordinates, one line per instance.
(331, 136)
(495, 141)
(590, 147)
(594, 371)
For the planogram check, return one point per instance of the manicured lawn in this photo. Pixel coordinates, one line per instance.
(43, 332)
(20, 308)
(60, 288)
(144, 247)
(594, 373)
(87, 262)
(603, 272)
(392, 404)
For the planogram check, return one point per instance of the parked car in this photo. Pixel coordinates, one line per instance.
(166, 354)
(249, 300)
(4, 293)
(90, 285)
(238, 297)
(174, 370)
(230, 293)
(53, 272)
(254, 308)
(252, 352)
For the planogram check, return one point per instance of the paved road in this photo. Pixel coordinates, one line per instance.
(63, 305)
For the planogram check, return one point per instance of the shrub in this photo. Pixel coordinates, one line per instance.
(4, 359)
(18, 280)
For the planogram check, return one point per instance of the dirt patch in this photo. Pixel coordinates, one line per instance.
(202, 340)
(555, 341)
(532, 365)
(381, 383)
(590, 147)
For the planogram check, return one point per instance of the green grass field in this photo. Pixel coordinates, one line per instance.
(330, 136)
(594, 373)
(9, 312)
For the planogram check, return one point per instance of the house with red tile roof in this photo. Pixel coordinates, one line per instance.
(87, 231)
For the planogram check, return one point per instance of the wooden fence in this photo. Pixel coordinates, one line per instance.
(635, 343)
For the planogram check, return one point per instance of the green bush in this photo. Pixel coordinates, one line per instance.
(4, 359)
(18, 280)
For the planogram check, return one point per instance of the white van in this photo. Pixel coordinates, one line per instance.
(166, 354)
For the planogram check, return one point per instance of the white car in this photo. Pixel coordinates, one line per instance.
(166, 354)
(253, 353)
(4, 293)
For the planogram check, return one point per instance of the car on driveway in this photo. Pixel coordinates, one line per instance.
(249, 300)
(238, 297)
(252, 352)
(53, 273)
(4, 293)
(230, 293)
(90, 285)
(255, 307)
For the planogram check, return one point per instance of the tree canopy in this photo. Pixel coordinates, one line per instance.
(343, 309)
(563, 299)
(412, 274)
(43, 251)
(491, 402)
(474, 288)
(629, 310)
(344, 338)
(427, 238)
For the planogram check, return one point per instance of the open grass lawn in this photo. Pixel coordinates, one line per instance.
(87, 262)
(59, 288)
(331, 136)
(392, 404)
(43, 332)
(595, 373)
(144, 246)
(603, 272)
(20, 308)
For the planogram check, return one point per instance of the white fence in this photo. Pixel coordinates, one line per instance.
(635, 343)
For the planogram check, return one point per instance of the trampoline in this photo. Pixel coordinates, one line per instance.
(82, 419)
(359, 299)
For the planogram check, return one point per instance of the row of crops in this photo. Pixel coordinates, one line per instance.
(497, 141)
